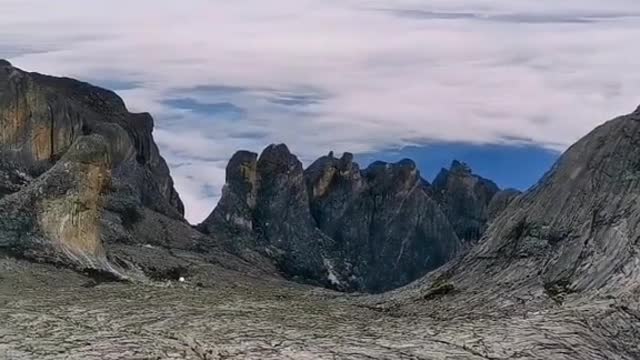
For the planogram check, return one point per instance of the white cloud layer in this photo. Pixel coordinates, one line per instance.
(344, 75)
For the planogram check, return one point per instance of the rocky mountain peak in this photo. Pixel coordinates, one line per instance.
(402, 175)
(82, 181)
(460, 168)
(328, 170)
(242, 176)
(5, 63)
(465, 198)
(277, 158)
(335, 224)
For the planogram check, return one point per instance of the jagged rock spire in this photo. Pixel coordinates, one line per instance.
(334, 224)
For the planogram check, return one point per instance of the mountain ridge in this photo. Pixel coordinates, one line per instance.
(553, 272)
(359, 216)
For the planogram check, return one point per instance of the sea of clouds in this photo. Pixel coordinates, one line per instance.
(346, 75)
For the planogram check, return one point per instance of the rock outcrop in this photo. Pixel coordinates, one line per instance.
(465, 199)
(265, 206)
(82, 183)
(334, 224)
(42, 116)
(387, 230)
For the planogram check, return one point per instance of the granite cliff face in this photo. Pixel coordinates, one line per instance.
(561, 259)
(82, 182)
(346, 228)
(43, 116)
(576, 230)
(387, 230)
(265, 206)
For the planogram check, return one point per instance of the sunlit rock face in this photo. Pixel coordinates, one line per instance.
(42, 116)
(82, 183)
(57, 216)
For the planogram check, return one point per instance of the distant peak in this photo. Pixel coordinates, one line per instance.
(377, 165)
(407, 163)
(276, 149)
(347, 157)
(278, 155)
(280, 147)
(402, 164)
(242, 156)
(637, 112)
(458, 166)
(5, 63)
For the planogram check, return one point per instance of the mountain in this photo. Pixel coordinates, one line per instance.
(83, 184)
(465, 199)
(561, 259)
(386, 228)
(575, 230)
(338, 226)
(551, 273)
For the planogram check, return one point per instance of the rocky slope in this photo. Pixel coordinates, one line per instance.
(576, 230)
(566, 250)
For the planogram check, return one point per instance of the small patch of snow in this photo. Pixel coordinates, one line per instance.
(181, 279)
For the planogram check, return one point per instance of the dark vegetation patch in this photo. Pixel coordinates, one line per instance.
(438, 289)
(173, 273)
(558, 290)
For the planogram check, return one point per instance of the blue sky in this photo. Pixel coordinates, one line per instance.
(503, 85)
(517, 167)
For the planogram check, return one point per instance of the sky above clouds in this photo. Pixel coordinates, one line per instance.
(383, 79)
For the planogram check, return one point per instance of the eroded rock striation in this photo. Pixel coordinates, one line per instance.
(576, 230)
(562, 258)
